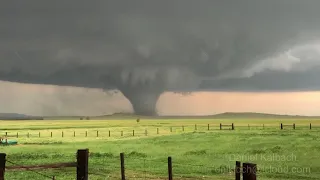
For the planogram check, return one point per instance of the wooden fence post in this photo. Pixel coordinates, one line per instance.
(53, 178)
(97, 133)
(39, 134)
(121, 133)
(294, 126)
(74, 133)
(157, 130)
(249, 171)
(220, 126)
(238, 170)
(61, 133)
(109, 133)
(170, 168)
(6, 134)
(17, 135)
(232, 126)
(123, 176)
(195, 127)
(208, 127)
(86, 133)
(182, 128)
(146, 132)
(2, 165)
(51, 134)
(82, 164)
(310, 125)
(170, 129)
(132, 132)
(28, 135)
(281, 126)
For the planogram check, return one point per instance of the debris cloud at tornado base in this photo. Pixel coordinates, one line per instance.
(146, 47)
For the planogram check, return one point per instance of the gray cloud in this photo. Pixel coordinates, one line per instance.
(146, 47)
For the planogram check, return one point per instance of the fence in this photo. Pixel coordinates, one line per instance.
(248, 170)
(293, 126)
(232, 126)
(146, 132)
(81, 165)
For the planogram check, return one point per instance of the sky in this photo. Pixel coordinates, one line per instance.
(145, 48)
(45, 100)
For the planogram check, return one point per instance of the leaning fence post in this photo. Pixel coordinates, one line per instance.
(170, 168)
(82, 164)
(249, 171)
(237, 170)
(123, 176)
(2, 165)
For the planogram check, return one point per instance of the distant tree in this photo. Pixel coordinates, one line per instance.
(88, 118)
(81, 118)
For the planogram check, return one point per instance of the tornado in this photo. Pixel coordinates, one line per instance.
(143, 102)
(142, 86)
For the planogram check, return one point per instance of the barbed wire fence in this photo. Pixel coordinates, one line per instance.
(131, 166)
(123, 132)
(30, 170)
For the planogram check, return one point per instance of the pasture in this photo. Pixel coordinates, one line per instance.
(197, 152)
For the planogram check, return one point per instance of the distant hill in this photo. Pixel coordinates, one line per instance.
(257, 115)
(227, 115)
(16, 116)
(119, 116)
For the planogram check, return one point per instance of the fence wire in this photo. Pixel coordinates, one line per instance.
(27, 169)
(154, 130)
(143, 168)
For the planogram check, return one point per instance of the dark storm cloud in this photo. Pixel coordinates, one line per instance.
(151, 46)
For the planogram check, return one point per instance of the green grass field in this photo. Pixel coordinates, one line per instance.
(197, 153)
